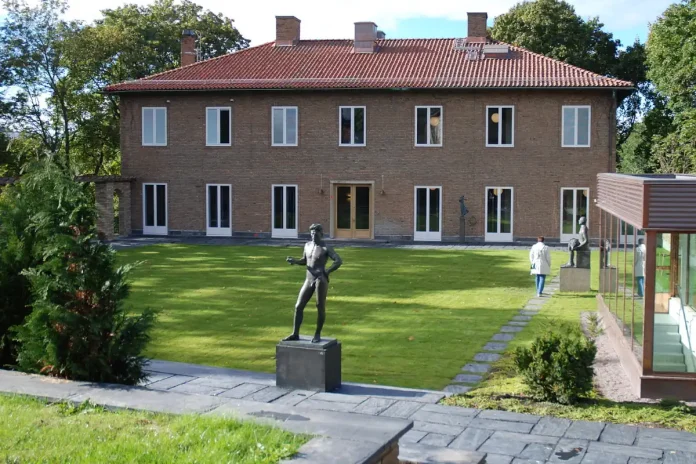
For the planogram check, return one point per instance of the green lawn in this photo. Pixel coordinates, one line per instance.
(503, 388)
(410, 318)
(33, 431)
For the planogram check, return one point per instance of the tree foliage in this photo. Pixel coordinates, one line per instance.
(78, 327)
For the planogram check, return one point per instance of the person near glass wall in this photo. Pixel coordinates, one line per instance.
(639, 267)
(540, 260)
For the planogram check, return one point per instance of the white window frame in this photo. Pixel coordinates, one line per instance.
(217, 231)
(500, 127)
(415, 125)
(284, 232)
(154, 126)
(352, 126)
(207, 122)
(285, 126)
(155, 229)
(589, 126)
(426, 236)
(564, 238)
(499, 236)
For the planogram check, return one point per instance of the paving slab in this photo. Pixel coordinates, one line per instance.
(473, 367)
(437, 428)
(340, 398)
(468, 378)
(585, 430)
(486, 357)
(437, 418)
(551, 426)
(502, 337)
(456, 410)
(528, 312)
(499, 446)
(624, 450)
(218, 381)
(196, 370)
(679, 457)
(537, 452)
(510, 416)
(40, 386)
(294, 397)
(527, 438)
(498, 459)
(424, 454)
(122, 397)
(311, 403)
(619, 434)
(392, 393)
(518, 323)
(268, 394)
(456, 389)
(412, 436)
(471, 439)
(599, 458)
(495, 346)
(504, 426)
(527, 461)
(153, 377)
(327, 449)
(170, 382)
(243, 390)
(511, 329)
(569, 451)
(373, 406)
(522, 318)
(666, 433)
(652, 461)
(666, 444)
(402, 409)
(197, 389)
(437, 439)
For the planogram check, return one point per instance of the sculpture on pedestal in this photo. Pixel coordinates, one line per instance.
(316, 253)
(579, 249)
(604, 254)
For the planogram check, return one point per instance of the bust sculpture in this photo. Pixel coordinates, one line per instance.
(316, 253)
(579, 249)
(462, 206)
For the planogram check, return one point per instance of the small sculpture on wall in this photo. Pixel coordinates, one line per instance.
(462, 207)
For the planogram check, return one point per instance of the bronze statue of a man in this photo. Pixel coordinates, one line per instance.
(580, 248)
(316, 253)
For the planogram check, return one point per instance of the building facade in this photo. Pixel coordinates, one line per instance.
(374, 138)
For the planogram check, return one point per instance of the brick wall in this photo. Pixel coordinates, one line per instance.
(537, 167)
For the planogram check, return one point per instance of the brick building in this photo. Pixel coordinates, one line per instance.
(372, 137)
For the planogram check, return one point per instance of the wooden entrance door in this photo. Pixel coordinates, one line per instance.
(352, 211)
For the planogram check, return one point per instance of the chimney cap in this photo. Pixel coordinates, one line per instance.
(188, 33)
(288, 17)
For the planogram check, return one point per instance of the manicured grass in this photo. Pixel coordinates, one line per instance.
(33, 431)
(410, 318)
(503, 389)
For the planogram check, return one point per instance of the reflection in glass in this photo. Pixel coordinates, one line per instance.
(278, 207)
(492, 219)
(421, 209)
(150, 205)
(359, 126)
(567, 211)
(507, 126)
(422, 126)
(506, 211)
(161, 206)
(362, 208)
(212, 206)
(343, 207)
(224, 206)
(493, 119)
(290, 206)
(434, 210)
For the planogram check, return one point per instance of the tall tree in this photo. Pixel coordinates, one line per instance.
(553, 28)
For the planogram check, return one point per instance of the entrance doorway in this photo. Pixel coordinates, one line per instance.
(499, 214)
(155, 209)
(427, 215)
(574, 205)
(352, 211)
(219, 210)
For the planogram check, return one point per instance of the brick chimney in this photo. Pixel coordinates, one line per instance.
(287, 31)
(188, 47)
(365, 36)
(477, 27)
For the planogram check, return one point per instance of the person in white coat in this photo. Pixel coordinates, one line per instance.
(540, 259)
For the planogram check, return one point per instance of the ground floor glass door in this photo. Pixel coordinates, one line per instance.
(155, 209)
(219, 210)
(428, 214)
(574, 205)
(499, 214)
(284, 211)
(353, 211)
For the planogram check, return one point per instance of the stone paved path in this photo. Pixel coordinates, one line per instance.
(473, 371)
(505, 437)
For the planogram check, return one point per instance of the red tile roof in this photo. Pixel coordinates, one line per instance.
(398, 63)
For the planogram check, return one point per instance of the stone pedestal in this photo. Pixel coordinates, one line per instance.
(582, 259)
(462, 229)
(607, 280)
(574, 279)
(305, 365)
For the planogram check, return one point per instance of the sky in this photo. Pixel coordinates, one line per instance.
(626, 19)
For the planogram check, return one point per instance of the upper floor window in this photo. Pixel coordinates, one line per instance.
(500, 126)
(155, 126)
(352, 121)
(218, 126)
(576, 126)
(284, 125)
(429, 126)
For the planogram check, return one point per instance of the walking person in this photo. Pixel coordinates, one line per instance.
(639, 267)
(540, 259)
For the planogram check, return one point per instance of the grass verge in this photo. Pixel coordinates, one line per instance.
(503, 388)
(34, 431)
